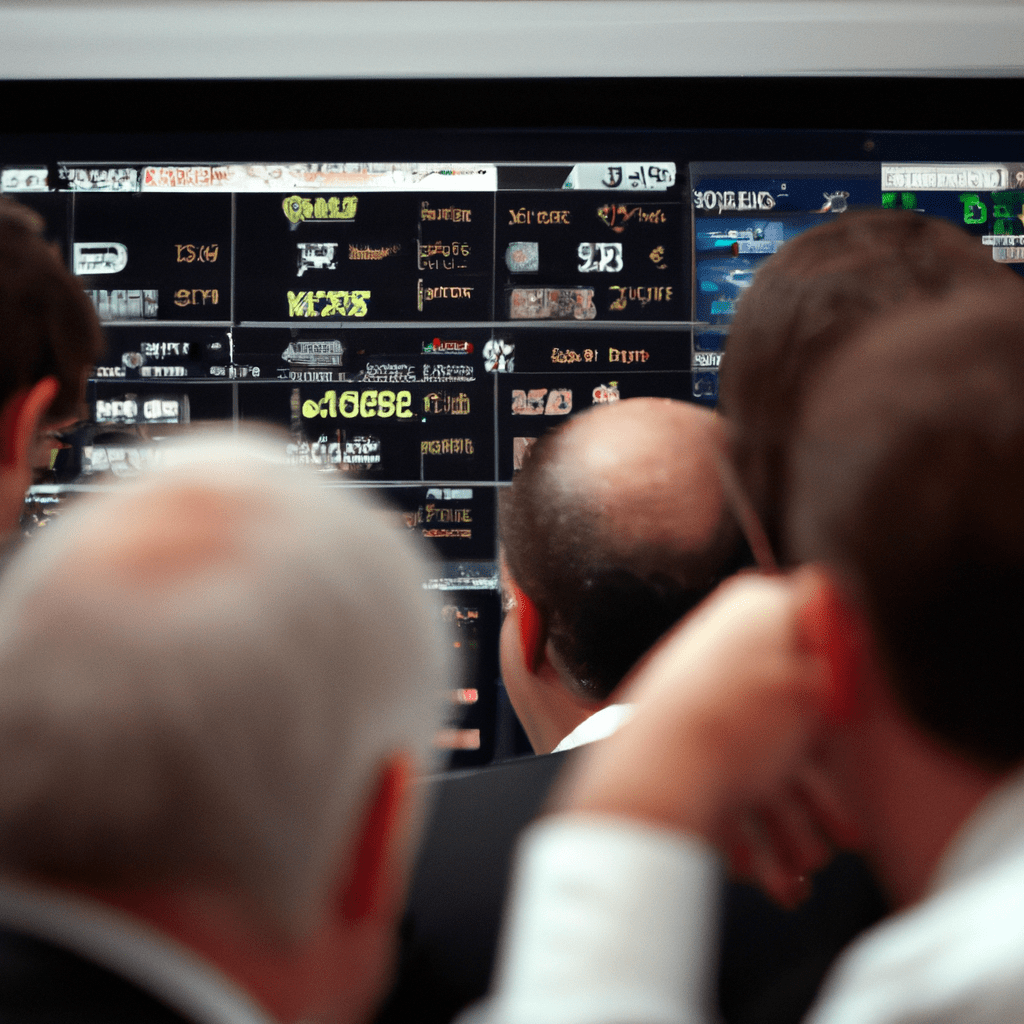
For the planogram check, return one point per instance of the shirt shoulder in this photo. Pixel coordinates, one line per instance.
(958, 956)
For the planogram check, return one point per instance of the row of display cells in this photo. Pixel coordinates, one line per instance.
(428, 355)
(469, 430)
(403, 257)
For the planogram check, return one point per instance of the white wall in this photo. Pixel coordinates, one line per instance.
(459, 38)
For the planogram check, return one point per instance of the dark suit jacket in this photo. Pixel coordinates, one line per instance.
(772, 961)
(41, 983)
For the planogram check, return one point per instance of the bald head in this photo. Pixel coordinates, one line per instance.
(646, 469)
(615, 527)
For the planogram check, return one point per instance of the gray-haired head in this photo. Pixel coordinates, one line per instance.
(200, 674)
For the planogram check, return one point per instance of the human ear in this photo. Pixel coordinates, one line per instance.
(531, 629)
(366, 889)
(832, 628)
(21, 418)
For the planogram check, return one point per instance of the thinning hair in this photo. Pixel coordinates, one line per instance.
(605, 592)
(48, 326)
(201, 673)
(907, 473)
(805, 302)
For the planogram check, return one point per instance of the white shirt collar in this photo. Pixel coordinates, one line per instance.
(992, 833)
(130, 949)
(598, 726)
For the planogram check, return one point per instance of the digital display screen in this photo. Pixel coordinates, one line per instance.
(415, 307)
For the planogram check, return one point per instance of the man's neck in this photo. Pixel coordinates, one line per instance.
(913, 795)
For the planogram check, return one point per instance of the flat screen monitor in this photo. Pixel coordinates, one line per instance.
(413, 287)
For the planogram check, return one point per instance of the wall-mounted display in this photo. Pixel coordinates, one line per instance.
(412, 324)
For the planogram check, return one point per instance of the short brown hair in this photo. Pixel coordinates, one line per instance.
(907, 478)
(804, 303)
(48, 327)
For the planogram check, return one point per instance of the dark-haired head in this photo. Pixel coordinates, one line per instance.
(907, 479)
(48, 327)
(820, 289)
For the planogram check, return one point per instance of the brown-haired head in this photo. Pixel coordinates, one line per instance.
(907, 479)
(804, 303)
(48, 327)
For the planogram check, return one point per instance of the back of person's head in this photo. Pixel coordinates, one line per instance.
(615, 527)
(907, 478)
(821, 288)
(48, 327)
(201, 675)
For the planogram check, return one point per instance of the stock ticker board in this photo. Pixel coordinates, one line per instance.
(412, 328)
